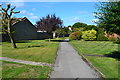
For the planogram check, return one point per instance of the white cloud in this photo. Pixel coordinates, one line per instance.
(81, 12)
(95, 20)
(26, 13)
(34, 17)
(23, 11)
(33, 9)
(75, 19)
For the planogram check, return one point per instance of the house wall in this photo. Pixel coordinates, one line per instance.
(24, 30)
(43, 35)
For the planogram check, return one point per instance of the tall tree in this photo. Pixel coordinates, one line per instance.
(79, 25)
(7, 21)
(109, 16)
(50, 23)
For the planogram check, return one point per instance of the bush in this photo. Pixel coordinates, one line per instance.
(75, 36)
(113, 39)
(101, 37)
(89, 35)
(118, 40)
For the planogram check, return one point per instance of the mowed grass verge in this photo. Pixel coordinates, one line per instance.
(31, 50)
(107, 65)
(15, 70)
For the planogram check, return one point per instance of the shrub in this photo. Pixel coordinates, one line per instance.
(113, 39)
(89, 35)
(118, 40)
(75, 35)
(101, 37)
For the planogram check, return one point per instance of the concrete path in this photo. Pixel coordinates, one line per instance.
(70, 65)
(25, 62)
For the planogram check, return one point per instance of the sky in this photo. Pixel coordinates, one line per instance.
(69, 12)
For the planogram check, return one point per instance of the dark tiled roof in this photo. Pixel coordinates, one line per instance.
(17, 20)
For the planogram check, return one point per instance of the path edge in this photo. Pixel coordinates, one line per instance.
(101, 75)
(49, 75)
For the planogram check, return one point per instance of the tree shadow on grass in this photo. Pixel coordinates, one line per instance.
(115, 54)
(31, 46)
(23, 41)
(60, 40)
(54, 40)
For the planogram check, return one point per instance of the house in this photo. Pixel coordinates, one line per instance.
(25, 30)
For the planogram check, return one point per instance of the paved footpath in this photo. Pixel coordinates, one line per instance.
(25, 62)
(70, 65)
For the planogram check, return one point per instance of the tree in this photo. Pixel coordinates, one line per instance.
(90, 27)
(109, 16)
(79, 25)
(7, 21)
(50, 23)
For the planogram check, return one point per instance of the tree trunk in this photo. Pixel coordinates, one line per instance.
(11, 35)
(12, 40)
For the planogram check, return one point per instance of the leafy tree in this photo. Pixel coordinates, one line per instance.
(7, 21)
(75, 29)
(89, 35)
(90, 27)
(66, 30)
(109, 16)
(79, 25)
(50, 23)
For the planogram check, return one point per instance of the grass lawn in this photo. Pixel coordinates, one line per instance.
(107, 65)
(31, 50)
(15, 70)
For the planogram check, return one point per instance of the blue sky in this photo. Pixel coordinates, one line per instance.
(69, 12)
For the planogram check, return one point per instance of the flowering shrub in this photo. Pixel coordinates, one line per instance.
(89, 35)
(75, 35)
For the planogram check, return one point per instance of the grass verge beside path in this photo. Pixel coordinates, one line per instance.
(107, 65)
(31, 50)
(15, 70)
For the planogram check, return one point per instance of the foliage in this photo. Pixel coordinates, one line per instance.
(66, 30)
(109, 16)
(75, 36)
(101, 37)
(118, 41)
(49, 23)
(113, 39)
(62, 31)
(90, 27)
(75, 29)
(7, 19)
(78, 25)
(89, 35)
